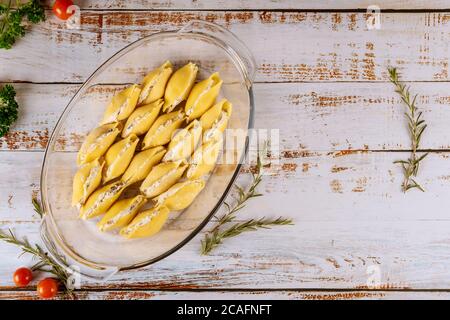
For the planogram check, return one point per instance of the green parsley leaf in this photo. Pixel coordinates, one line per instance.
(8, 108)
(11, 26)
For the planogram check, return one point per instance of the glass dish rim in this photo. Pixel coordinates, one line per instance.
(43, 193)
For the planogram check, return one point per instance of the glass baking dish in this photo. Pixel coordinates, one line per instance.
(77, 244)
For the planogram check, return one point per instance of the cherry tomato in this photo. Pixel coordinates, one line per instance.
(61, 9)
(22, 277)
(47, 288)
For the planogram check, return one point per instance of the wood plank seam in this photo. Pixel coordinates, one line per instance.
(118, 289)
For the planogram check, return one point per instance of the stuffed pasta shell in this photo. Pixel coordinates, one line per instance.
(121, 213)
(215, 132)
(86, 180)
(162, 177)
(213, 115)
(181, 195)
(179, 86)
(122, 104)
(161, 131)
(142, 164)
(142, 119)
(202, 96)
(158, 140)
(119, 157)
(97, 142)
(184, 142)
(146, 223)
(204, 160)
(101, 200)
(154, 84)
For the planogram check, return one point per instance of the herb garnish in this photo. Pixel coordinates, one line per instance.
(416, 127)
(216, 235)
(45, 263)
(11, 27)
(8, 108)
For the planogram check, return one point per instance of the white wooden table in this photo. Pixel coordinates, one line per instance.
(322, 81)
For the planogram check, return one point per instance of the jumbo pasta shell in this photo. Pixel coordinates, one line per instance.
(216, 131)
(86, 180)
(146, 223)
(204, 160)
(184, 142)
(101, 200)
(119, 157)
(142, 119)
(97, 142)
(154, 84)
(202, 96)
(181, 195)
(121, 213)
(122, 104)
(161, 131)
(213, 115)
(142, 164)
(179, 86)
(162, 177)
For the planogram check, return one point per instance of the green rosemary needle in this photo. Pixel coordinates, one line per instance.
(416, 127)
(37, 207)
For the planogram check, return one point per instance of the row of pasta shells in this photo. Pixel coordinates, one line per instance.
(147, 136)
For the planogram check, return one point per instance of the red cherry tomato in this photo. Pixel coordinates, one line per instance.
(22, 277)
(61, 9)
(47, 288)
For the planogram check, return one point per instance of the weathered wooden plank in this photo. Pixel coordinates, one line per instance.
(337, 116)
(241, 295)
(351, 219)
(349, 181)
(258, 4)
(325, 255)
(315, 46)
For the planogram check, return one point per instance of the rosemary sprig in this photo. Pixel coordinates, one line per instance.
(416, 126)
(216, 235)
(212, 240)
(45, 263)
(37, 207)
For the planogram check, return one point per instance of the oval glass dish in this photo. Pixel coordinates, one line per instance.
(77, 244)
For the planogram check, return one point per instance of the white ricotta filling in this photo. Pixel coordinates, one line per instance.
(165, 125)
(98, 141)
(142, 222)
(87, 184)
(136, 121)
(152, 188)
(204, 92)
(122, 214)
(103, 197)
(214, 130)
(172, 191)
(149, 87)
